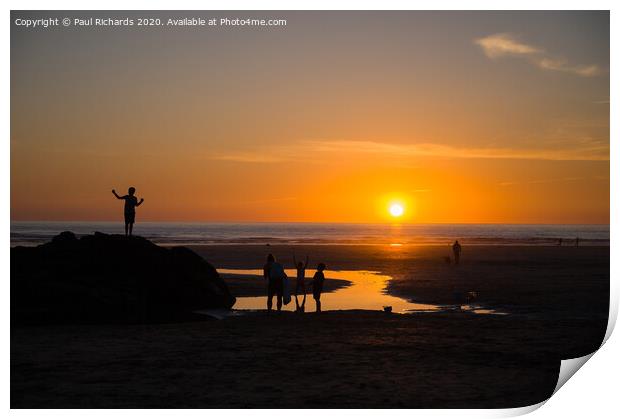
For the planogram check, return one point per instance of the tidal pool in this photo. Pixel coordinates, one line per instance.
(366, 292)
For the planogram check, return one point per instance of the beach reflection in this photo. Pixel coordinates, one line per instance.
(366, 292)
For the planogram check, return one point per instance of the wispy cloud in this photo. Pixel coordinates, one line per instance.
(247, 157)
(562, 65)
(543, 181)
(505, 44)
(581, 149)
(265, 201)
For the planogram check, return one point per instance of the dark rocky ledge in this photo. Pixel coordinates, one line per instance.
(103, 278)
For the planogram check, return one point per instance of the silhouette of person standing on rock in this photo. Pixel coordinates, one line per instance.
(131, 202)
(456, 249)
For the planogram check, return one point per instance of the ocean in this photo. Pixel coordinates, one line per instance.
(169, 233)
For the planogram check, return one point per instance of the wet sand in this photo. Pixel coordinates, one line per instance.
(558, 298)
(546, 281)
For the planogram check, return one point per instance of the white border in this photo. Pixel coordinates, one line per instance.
(591, 393)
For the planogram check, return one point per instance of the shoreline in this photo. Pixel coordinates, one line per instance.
(582, 243)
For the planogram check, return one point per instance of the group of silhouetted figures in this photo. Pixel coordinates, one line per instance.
(277, 284)
(277, 280)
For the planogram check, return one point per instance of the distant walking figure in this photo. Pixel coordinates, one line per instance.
(131, 202)
(317, 285)
(274, 273)
(577, 241)
(301, 283)
(456, 249)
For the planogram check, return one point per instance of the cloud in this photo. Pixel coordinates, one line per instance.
(505, 44)
(561, 65)
(542, 181)
(582, 149)
(265, 201)
(247, 157)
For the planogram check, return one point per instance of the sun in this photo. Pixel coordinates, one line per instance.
(396, 210)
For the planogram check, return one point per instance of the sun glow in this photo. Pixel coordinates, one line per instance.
(396, 210)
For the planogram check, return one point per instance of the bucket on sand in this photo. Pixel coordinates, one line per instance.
(471, 296)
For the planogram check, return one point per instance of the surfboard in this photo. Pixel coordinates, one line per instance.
(286, 291)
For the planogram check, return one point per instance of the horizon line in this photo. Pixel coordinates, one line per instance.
(305, 222)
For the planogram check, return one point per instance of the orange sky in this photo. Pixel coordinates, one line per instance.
(472, 117)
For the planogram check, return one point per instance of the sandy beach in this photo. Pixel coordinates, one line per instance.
(557, 298)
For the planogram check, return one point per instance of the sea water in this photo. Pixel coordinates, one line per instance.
(169, 233)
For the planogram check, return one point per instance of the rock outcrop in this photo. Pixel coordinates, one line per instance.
(105, 278)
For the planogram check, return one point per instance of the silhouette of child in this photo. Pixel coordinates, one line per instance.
(317, 285)
(301, 283)
(131, 202)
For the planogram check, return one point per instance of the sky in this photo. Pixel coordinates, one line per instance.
(460, 117)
